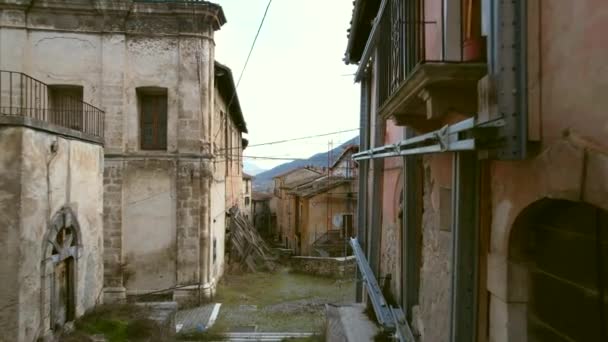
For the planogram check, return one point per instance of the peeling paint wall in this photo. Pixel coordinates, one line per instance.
(149, 238)
(43, 183)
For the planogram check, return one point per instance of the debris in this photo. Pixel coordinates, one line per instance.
(247, 248)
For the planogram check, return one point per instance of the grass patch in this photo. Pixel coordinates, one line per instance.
(119, 323)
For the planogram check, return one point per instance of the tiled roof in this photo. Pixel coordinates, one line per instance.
(364, 12)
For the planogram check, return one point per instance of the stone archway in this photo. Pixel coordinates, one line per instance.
(60, 253)
(558, 272)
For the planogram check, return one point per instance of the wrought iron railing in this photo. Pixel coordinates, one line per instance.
(25, 96)
(413, 32)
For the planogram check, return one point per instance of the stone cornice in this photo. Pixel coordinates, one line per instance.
(126, 16)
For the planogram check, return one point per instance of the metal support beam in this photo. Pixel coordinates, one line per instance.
(390, 318)
(381, 307)
(465, 245)
(447, 139)
(363, 173)
(411, 231)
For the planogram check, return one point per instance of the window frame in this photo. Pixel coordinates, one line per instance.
(153, 92)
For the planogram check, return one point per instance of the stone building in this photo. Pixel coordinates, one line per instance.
(150, 66)
(484, 168)
(324, 209)
(286, 205)
(51, 179)
(229, 125)
(262, 214)
(247, 204)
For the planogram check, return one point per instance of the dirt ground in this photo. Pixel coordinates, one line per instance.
(280, 301)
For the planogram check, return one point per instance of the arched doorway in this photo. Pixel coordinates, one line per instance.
(59, 270)
(564, 247)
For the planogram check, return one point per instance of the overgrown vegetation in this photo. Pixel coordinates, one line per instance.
(279, 301)
(119, 323)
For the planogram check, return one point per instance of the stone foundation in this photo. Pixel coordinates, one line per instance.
(327, 267)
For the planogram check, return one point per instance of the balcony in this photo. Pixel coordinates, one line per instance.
(430, 56)
(27, 101)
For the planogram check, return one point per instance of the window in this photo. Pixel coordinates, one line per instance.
(65, 103)
(246, 200)
(246, 186)
(153, 118)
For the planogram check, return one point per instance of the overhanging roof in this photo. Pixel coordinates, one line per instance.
(227, 88)
(361, 24)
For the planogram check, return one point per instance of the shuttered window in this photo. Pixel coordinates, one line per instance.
(153, 119)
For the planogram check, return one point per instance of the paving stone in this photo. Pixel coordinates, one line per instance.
(195, 319)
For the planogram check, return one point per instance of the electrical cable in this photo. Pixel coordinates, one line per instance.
(253, 44)
(300, 138)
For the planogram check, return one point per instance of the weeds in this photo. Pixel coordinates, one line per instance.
(118, 323)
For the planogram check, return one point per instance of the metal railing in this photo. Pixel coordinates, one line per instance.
(25, 96)
(413, 32)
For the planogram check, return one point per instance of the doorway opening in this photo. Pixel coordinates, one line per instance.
(563, 247)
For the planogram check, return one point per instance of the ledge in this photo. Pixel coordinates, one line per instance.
(432, 90)
(39, 125)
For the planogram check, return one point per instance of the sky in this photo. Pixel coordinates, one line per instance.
(295, 83)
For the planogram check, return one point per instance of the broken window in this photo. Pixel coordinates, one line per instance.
(153, 118)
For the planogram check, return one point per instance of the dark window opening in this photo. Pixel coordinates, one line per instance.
(247, 200)
(153, 118)
(66, 106)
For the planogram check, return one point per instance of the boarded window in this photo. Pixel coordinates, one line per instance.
(153, 119)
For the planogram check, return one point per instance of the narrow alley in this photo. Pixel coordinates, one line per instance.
(303, 170)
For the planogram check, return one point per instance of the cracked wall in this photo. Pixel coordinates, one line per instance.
(36, 183)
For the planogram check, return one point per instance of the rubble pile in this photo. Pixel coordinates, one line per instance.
(247, 248)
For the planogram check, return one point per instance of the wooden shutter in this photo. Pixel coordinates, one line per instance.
(153, 122)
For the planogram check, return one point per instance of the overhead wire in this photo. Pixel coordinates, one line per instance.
(296, 139)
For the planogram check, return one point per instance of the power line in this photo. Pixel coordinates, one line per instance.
(253, 45)
(293, 139)
(303, 138)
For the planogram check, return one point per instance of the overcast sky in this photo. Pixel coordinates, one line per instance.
(296, 83)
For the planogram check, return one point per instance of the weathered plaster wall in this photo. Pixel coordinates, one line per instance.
(431, 317)
(10, 211)
(390, 244)
(286, 218)
(143, 196)
(318, 214)
(571, 161)
(46, 182)
(149, 235)
(218, 227)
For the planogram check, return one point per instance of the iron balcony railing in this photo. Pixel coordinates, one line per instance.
(413, 32)
(25, 96)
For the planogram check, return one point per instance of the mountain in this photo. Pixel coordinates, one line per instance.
(251, 168)
(263, 181)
